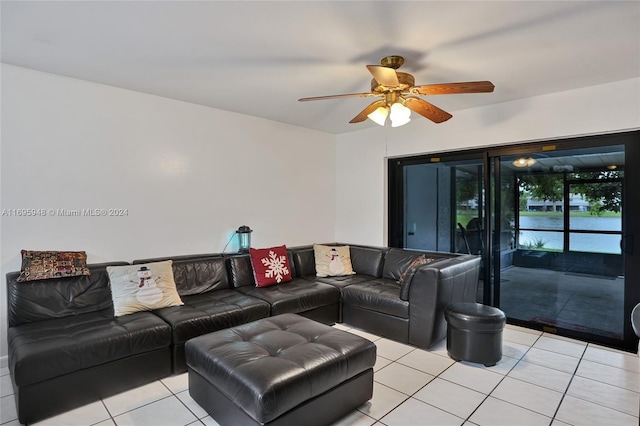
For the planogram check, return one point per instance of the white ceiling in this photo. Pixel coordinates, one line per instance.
(258, 58)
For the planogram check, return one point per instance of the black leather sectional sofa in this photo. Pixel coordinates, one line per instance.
(67, 349)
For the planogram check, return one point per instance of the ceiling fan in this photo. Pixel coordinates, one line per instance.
(399, 92)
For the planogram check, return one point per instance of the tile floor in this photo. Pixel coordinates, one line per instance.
(541, 380)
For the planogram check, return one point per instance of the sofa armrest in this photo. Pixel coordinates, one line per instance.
(432, 288)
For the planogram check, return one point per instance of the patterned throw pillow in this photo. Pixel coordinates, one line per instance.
(332, 261)
(42, 265)
(270, 265)
(142, 287)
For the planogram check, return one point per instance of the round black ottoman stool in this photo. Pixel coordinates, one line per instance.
(474, 332)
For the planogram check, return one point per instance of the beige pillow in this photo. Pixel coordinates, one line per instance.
(332, 261)
(142, 287)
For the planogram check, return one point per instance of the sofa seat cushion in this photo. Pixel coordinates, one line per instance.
(211, 311)
(298, 295)
(343, 280)
(380, 295)
(42, 350)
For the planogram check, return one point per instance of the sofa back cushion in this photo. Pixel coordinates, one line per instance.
(196, 274)
(367, 260)
(304, 261)
(397, 262)
(200, 275)
(42, 300)
(240, 271)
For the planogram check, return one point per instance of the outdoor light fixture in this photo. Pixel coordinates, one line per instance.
(398, 114)
(244, 238)
(524, 162)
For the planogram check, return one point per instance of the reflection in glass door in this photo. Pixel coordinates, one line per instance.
(562, 212)
(437, 204)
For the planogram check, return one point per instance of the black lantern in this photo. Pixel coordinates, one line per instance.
(244, 238)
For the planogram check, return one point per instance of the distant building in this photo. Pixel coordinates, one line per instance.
(576, 204)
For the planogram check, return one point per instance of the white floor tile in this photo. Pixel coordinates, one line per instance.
(577, 411)
(450, 397)
(502, 367)
(165, 412)
(364, 334)
(561, 346)
(514, 350)
(135, 398)
(526, 395)
(494, 412)
(209, 421)
(478, 379)
(6, 386)
(177, 383)
(381, 363)
(414, 412)
(4, 371)
(603, 394)
(356, 418)
(426, 361)
(86, 415)
(541, 376)
(557, 422)
(402, 378)
(8, 409)
(520, 335)
(384, 400)
(613, 358)
(391, 349)
(611, 375)
(341, 326)
(191, 404)
(553, 360)
(440, 348)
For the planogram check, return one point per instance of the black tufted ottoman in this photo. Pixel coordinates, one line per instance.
(282, 370)
(474, 332)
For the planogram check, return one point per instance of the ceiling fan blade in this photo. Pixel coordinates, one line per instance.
(347, 95)
(368, 110)
(384, 75)
(452, 88)
(426, 109)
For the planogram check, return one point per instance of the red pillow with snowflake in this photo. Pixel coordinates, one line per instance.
(270, 265)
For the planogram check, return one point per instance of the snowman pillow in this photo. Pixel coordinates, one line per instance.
(332, 261)
(142, 287)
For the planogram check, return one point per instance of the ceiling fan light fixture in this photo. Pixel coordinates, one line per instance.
(400, 115)
(379, 116)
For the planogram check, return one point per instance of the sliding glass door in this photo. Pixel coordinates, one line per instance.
(438, 204)
(564, 212)
(553, 222)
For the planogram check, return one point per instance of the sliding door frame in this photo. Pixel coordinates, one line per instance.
(490, 157)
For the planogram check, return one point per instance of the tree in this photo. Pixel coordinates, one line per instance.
(467, 189)
(546, 187)
(603, 195)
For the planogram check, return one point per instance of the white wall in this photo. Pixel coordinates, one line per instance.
(189, 175)
(361, 209)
